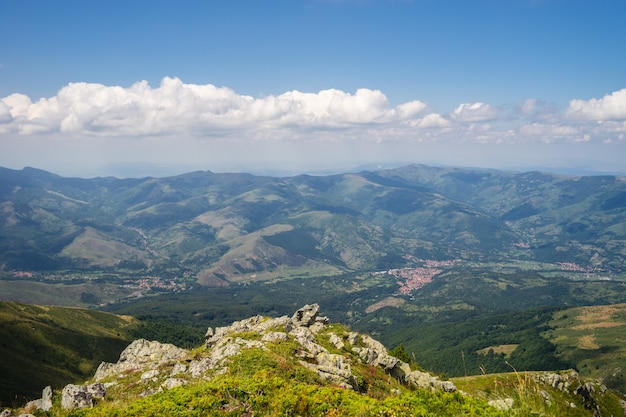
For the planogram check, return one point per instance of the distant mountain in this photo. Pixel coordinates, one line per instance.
(451, 263)
(218, 229)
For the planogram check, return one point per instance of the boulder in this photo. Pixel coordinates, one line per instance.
(46, 398)
(307, 316)
(141, 354)
(81, 396)
(258, 324)
(44, 403)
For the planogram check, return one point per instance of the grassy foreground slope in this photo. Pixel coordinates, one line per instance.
(275, 377)
(57, 345)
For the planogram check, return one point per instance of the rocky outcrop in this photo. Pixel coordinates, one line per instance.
(81, 396)
(566, 381)
(331, 353)
(171, 366)
(139, 355)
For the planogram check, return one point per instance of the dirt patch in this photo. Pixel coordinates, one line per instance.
(506, 349)
(600, 325)
(588, 342)
(387, 302)
(597, 314)
(598, 317)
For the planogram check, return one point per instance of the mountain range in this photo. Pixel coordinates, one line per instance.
(469, 269)
(216, 229)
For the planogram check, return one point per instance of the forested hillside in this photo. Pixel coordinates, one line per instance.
(216, 229)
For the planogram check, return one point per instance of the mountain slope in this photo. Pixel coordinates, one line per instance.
(193, 227)
(304, 365)
(57, 344)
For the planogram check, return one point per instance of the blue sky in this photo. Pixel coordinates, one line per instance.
(159, 87)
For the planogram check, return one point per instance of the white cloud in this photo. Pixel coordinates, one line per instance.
(178, 108)
(176, 122)
(529, 106)
(410, 109)
(432, 120)
(5, 113)
(609, 107)
(549, 132)
(475, 112)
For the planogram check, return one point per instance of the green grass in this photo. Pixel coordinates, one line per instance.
(593, 338)
(54, 346)
(272, 383)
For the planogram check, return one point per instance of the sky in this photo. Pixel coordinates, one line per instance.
(157, 88)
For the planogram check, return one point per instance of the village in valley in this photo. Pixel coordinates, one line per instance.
(413, 278)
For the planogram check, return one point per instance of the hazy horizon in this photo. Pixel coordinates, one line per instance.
(311, 86)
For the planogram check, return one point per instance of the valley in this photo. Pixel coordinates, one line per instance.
(471, 271)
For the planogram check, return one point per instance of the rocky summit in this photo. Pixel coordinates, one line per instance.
(172, 366)
(298, 365)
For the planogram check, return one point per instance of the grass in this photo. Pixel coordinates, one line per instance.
(54, 346)
(530, 397)
(593, 338)
(505, 349)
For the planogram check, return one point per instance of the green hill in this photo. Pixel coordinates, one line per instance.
(43, 345)
(219, 229)
(592, 338)
(306, 366)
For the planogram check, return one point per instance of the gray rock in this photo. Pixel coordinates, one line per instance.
(336, 341)
(141, 354)
(81, 396)
(199, 367)
(305, 337)
(503, 404)
(275, 337)
(179, 368)
(173, 383)
(152, 373)
(305, 317)
(44, 403)
(258, 324)
(46, 398)
(333, 368)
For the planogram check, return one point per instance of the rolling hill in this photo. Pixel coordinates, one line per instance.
(217, 229)
(46, 345)
(467, 269)
(307, 365)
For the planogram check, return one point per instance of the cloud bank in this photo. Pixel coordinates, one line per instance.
(176, 108)
(179, 114)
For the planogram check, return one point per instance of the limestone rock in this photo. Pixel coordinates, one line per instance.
(142, 351)
(275, 337)
(334, 368)
(44, 403)
(81, 396)
(257, 324)
(199, 367)
(46, 398)
(336, 341)
(305, 316)
(141, 354)
(173, 382)
(179, 368)
(503, 404)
